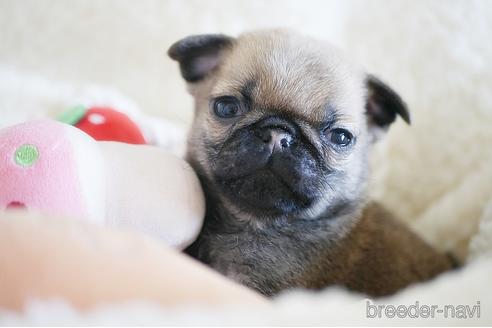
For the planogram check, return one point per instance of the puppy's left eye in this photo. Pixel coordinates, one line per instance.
(227, 107)
(341, 137)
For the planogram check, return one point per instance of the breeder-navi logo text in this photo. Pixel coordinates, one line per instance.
(422, 311)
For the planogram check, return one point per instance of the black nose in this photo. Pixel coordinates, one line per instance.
(277, 139)
(277, 133)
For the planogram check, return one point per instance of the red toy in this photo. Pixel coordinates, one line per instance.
(104, 124)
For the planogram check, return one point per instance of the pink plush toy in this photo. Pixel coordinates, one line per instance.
(57, 169)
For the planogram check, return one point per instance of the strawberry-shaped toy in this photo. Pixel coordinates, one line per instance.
(104, 124)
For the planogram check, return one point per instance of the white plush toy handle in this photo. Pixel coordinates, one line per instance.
(154, 192)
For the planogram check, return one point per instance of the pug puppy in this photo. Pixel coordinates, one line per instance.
(280, 140)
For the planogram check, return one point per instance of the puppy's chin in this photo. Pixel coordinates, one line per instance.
(264, 193)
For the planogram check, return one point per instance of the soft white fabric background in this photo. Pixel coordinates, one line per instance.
(436, 174)
(123, 42)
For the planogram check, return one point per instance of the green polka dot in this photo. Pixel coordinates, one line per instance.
(26, 155)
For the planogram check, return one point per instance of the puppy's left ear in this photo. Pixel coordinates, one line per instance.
(383, 104)
(199, 55)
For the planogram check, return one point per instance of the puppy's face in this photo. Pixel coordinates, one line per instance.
(283, 123)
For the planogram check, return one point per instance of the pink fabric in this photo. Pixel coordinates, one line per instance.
(51, 184)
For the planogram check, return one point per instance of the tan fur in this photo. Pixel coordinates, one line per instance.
(378, 257)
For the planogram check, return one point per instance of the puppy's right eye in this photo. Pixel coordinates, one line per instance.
(227, 107)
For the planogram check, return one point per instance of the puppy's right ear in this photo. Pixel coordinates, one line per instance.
(198, 55)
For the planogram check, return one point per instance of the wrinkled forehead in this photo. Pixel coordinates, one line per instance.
(285, 73)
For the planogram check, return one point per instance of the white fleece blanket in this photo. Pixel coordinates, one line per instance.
(436, 175)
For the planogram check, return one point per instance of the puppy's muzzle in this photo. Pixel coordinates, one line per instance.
(268, 168)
